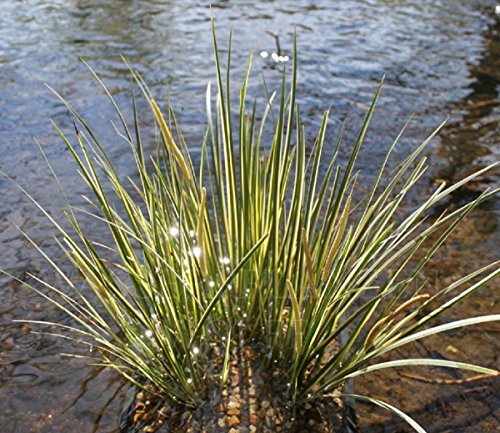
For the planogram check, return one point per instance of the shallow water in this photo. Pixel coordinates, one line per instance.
(441, 58)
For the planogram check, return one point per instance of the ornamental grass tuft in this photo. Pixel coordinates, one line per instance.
(262, 240)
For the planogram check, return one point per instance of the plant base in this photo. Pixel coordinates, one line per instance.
(248, 403)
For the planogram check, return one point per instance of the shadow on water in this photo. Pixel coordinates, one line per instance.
(471, 139)
(437, 55)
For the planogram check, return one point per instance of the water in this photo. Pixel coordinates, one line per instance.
(441, 58)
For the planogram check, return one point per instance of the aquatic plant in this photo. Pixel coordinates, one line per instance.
(255, 243)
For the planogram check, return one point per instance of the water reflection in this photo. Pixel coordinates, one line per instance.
(440, 57)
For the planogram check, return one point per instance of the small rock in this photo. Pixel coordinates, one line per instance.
(265, 404)
(138, 416)
(234, 420)
(222, 422)
(234, 411)
(233, 405)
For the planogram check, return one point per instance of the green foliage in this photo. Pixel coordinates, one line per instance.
(254, 240)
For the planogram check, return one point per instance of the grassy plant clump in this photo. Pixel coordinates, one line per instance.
(264, 242)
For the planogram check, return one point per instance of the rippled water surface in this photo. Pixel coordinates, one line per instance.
(441, 58)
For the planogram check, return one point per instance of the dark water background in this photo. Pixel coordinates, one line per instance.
(441, 58)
